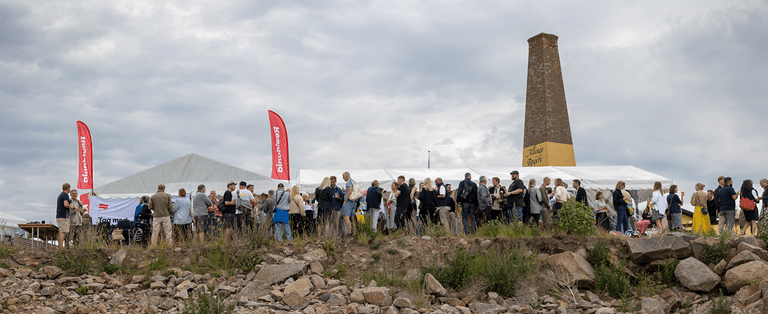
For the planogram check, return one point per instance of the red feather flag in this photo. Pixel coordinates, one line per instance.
(280, 168)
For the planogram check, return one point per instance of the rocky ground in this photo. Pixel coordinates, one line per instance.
(304, 277)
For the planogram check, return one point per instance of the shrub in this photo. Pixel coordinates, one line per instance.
(391, 251)
(78, 260)
(375, 245)
(365, 233)
(207, 303)
(82, 290)
(5, 252)
(330, 247)
(376, 256)
(497, 271)
(576, 218)
(611, 278)
(667, 273)
(158, 263)
(110, 268)
(490, 229)
(714, 253)
(720, 305)
(598, 256)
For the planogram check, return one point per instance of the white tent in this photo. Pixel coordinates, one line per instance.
(118, 199)
(9, 223)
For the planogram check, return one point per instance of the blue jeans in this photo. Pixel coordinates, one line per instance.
(519, 212)
(468, 217)
(622, 219)
(279, 229)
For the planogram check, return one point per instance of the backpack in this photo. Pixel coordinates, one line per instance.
(222, 208)
(466, 191)
(357, 191)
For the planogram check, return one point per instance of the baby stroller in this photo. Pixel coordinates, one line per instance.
(142, 226)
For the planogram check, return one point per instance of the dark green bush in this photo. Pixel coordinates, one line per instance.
(207, 303)
(497, 271)
(576, 218)
(611, 278)
(714, 253)
(667, 273)
(599, 255)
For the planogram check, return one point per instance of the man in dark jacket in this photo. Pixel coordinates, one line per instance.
(373, 201)
(467, 196)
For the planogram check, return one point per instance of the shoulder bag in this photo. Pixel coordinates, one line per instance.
(747, 204)
(704, 210)
(357, 192)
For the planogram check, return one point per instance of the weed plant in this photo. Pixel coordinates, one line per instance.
(712, 254)
(720, 305)
(496, 228)
(207, 303)
(576, 219)
(496, 271)
(376, 257)
(82, 290)
(611, 278)
(158, 263)
(667, 273)
(598, 256)
(78, 260)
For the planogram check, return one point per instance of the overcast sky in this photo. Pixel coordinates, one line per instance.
(678, 88)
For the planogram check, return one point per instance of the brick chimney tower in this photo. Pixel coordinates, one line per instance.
(547, 140)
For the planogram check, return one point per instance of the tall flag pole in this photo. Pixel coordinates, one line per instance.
(280, 167)
(85, 161)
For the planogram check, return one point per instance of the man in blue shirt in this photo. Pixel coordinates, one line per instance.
(727, 196)
(373, 201)
(338, 199)
(467, 196)
(62, 213)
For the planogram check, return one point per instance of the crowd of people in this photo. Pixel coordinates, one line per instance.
(409, 207)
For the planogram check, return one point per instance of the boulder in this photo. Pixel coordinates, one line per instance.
(749, 239)
(742, 258)
(486, 308)
(302, 287)
(748, 294)
(316, 255)
(686, 237)
(357, 296)
(653, 305)
(186, 285)
(118, 258)
(253, 290)
(337, 299)
(272, 274)
(580, 271)
(52, 272)
(433, 286)
(378, 296)
(742, 275)
(720, 267)
(645, 250)
(744, 246)
(698, 245)
(403, 303)
(317, 282)
(696, 276)
(295, 301)
(316, 267)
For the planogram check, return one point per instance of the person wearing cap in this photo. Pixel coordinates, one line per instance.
(245, 202)
(161, 206)
(228, 214)
(515, 199)
(281, 217)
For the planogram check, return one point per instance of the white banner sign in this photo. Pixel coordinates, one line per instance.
(112, 210)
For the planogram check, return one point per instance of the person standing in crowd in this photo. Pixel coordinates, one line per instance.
(631, 208)
(245, 202)
(338, 198)
(454, 209)
(200, 205)
(514, 196)
(535, 201)
(675, 208)
(161, 206)
(392, 208)
(182, 217)
(268, 209)
(620, 205)
(428, 199)
(747, 191)
(712, 206)
(581, 194)
(601, 212)
(467, 196)
(413, 208)
(497, 199)
(403, 202)
(143, 202)
(443, 204)
(373, 201)
(281, 217)
(310, 214)
(228, 214)
(214, 215)
(720, 215)
(296, 210)
(727, 196)
(75, 218)
(484, 201)
(561, 195)
(700, 223)
(659, 203)
(349, 207)
(62, 213)
(254, 207)
(546, 207)
(324, 204)
(762, 223)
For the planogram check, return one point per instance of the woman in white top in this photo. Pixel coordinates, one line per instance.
(392, 203)
(659, 203)
(561, 195)
(601, 212)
